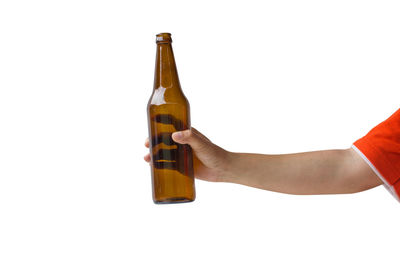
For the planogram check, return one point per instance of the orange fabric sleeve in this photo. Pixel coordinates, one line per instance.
(381, 149)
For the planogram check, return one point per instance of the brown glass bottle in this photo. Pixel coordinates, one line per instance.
(168, 111)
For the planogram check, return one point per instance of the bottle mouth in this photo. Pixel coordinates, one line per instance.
(163, 38)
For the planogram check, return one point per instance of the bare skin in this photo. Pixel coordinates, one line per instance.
(318, 172)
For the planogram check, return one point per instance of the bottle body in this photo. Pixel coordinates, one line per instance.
(168, 111)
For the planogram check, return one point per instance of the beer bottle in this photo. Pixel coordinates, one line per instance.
(167, 112)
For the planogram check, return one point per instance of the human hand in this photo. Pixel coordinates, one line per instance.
(210, 161)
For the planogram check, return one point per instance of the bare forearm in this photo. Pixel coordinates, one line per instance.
(319, 172)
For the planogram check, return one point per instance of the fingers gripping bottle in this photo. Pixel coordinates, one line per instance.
(167, 112)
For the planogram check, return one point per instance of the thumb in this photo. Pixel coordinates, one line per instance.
(191, 138)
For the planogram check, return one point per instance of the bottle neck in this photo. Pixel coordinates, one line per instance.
(166, 73)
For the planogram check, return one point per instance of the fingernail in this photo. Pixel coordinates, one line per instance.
(178, 135)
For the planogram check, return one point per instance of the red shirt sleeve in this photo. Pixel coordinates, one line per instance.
(380, 148)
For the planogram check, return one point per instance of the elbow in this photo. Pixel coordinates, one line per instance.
(355, 175)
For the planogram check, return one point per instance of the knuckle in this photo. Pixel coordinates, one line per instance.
(189, 133)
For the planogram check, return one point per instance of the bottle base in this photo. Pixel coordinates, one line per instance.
(173, 200)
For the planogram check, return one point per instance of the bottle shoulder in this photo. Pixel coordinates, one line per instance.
(169, 96)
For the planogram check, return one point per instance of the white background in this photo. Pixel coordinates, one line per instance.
(261, 76)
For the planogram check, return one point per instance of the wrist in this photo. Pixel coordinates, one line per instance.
(227, 169)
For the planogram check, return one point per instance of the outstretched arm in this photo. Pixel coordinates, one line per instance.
(318, 172)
